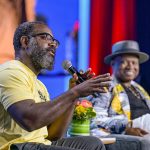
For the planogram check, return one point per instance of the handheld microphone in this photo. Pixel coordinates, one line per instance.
(67, 65)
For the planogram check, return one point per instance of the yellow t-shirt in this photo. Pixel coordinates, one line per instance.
(18, 82)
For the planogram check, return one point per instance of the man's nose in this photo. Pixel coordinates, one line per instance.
(52, 44)
(130, 65)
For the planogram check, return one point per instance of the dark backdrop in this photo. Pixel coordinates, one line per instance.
(143, 37)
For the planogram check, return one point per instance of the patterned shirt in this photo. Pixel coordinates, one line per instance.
(113, 108)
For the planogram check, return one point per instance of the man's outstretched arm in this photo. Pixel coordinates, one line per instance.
(32, 116)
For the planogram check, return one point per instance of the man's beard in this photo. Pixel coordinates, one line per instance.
(41, 58)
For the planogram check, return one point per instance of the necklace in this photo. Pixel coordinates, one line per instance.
(134, 91)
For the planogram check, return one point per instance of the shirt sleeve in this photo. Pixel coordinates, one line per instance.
(114, 124)
(15, 86)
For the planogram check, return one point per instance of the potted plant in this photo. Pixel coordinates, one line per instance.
(83, 113)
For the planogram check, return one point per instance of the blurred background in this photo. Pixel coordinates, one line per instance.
(86, 30)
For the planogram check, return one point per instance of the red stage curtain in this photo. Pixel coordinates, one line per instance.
(110, 21)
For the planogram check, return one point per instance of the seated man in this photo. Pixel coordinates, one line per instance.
(28, 120)
(127, 104)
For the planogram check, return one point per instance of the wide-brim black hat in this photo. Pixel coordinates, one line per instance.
(126, 47)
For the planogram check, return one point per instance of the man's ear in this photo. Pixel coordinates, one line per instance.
(24, 41)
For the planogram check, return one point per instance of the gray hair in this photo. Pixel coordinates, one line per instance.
(24, 29)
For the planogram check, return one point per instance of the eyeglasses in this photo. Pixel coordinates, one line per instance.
(46, 37)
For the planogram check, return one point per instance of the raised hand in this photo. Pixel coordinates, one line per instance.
(85, 75)
(92, 85)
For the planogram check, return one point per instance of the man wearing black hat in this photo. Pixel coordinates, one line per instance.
(126, 109)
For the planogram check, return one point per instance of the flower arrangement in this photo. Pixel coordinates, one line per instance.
(80, 124)
(83, 111)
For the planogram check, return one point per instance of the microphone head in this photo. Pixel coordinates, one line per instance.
(66, 64)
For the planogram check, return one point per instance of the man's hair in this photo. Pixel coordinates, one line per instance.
(24, 29)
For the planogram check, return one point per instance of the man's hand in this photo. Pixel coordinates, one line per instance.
(135, 132)
(86, 75)
(92, 85)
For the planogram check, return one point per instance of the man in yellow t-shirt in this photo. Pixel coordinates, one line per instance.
(28, 120)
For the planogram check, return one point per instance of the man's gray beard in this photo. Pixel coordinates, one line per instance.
(40, 58)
